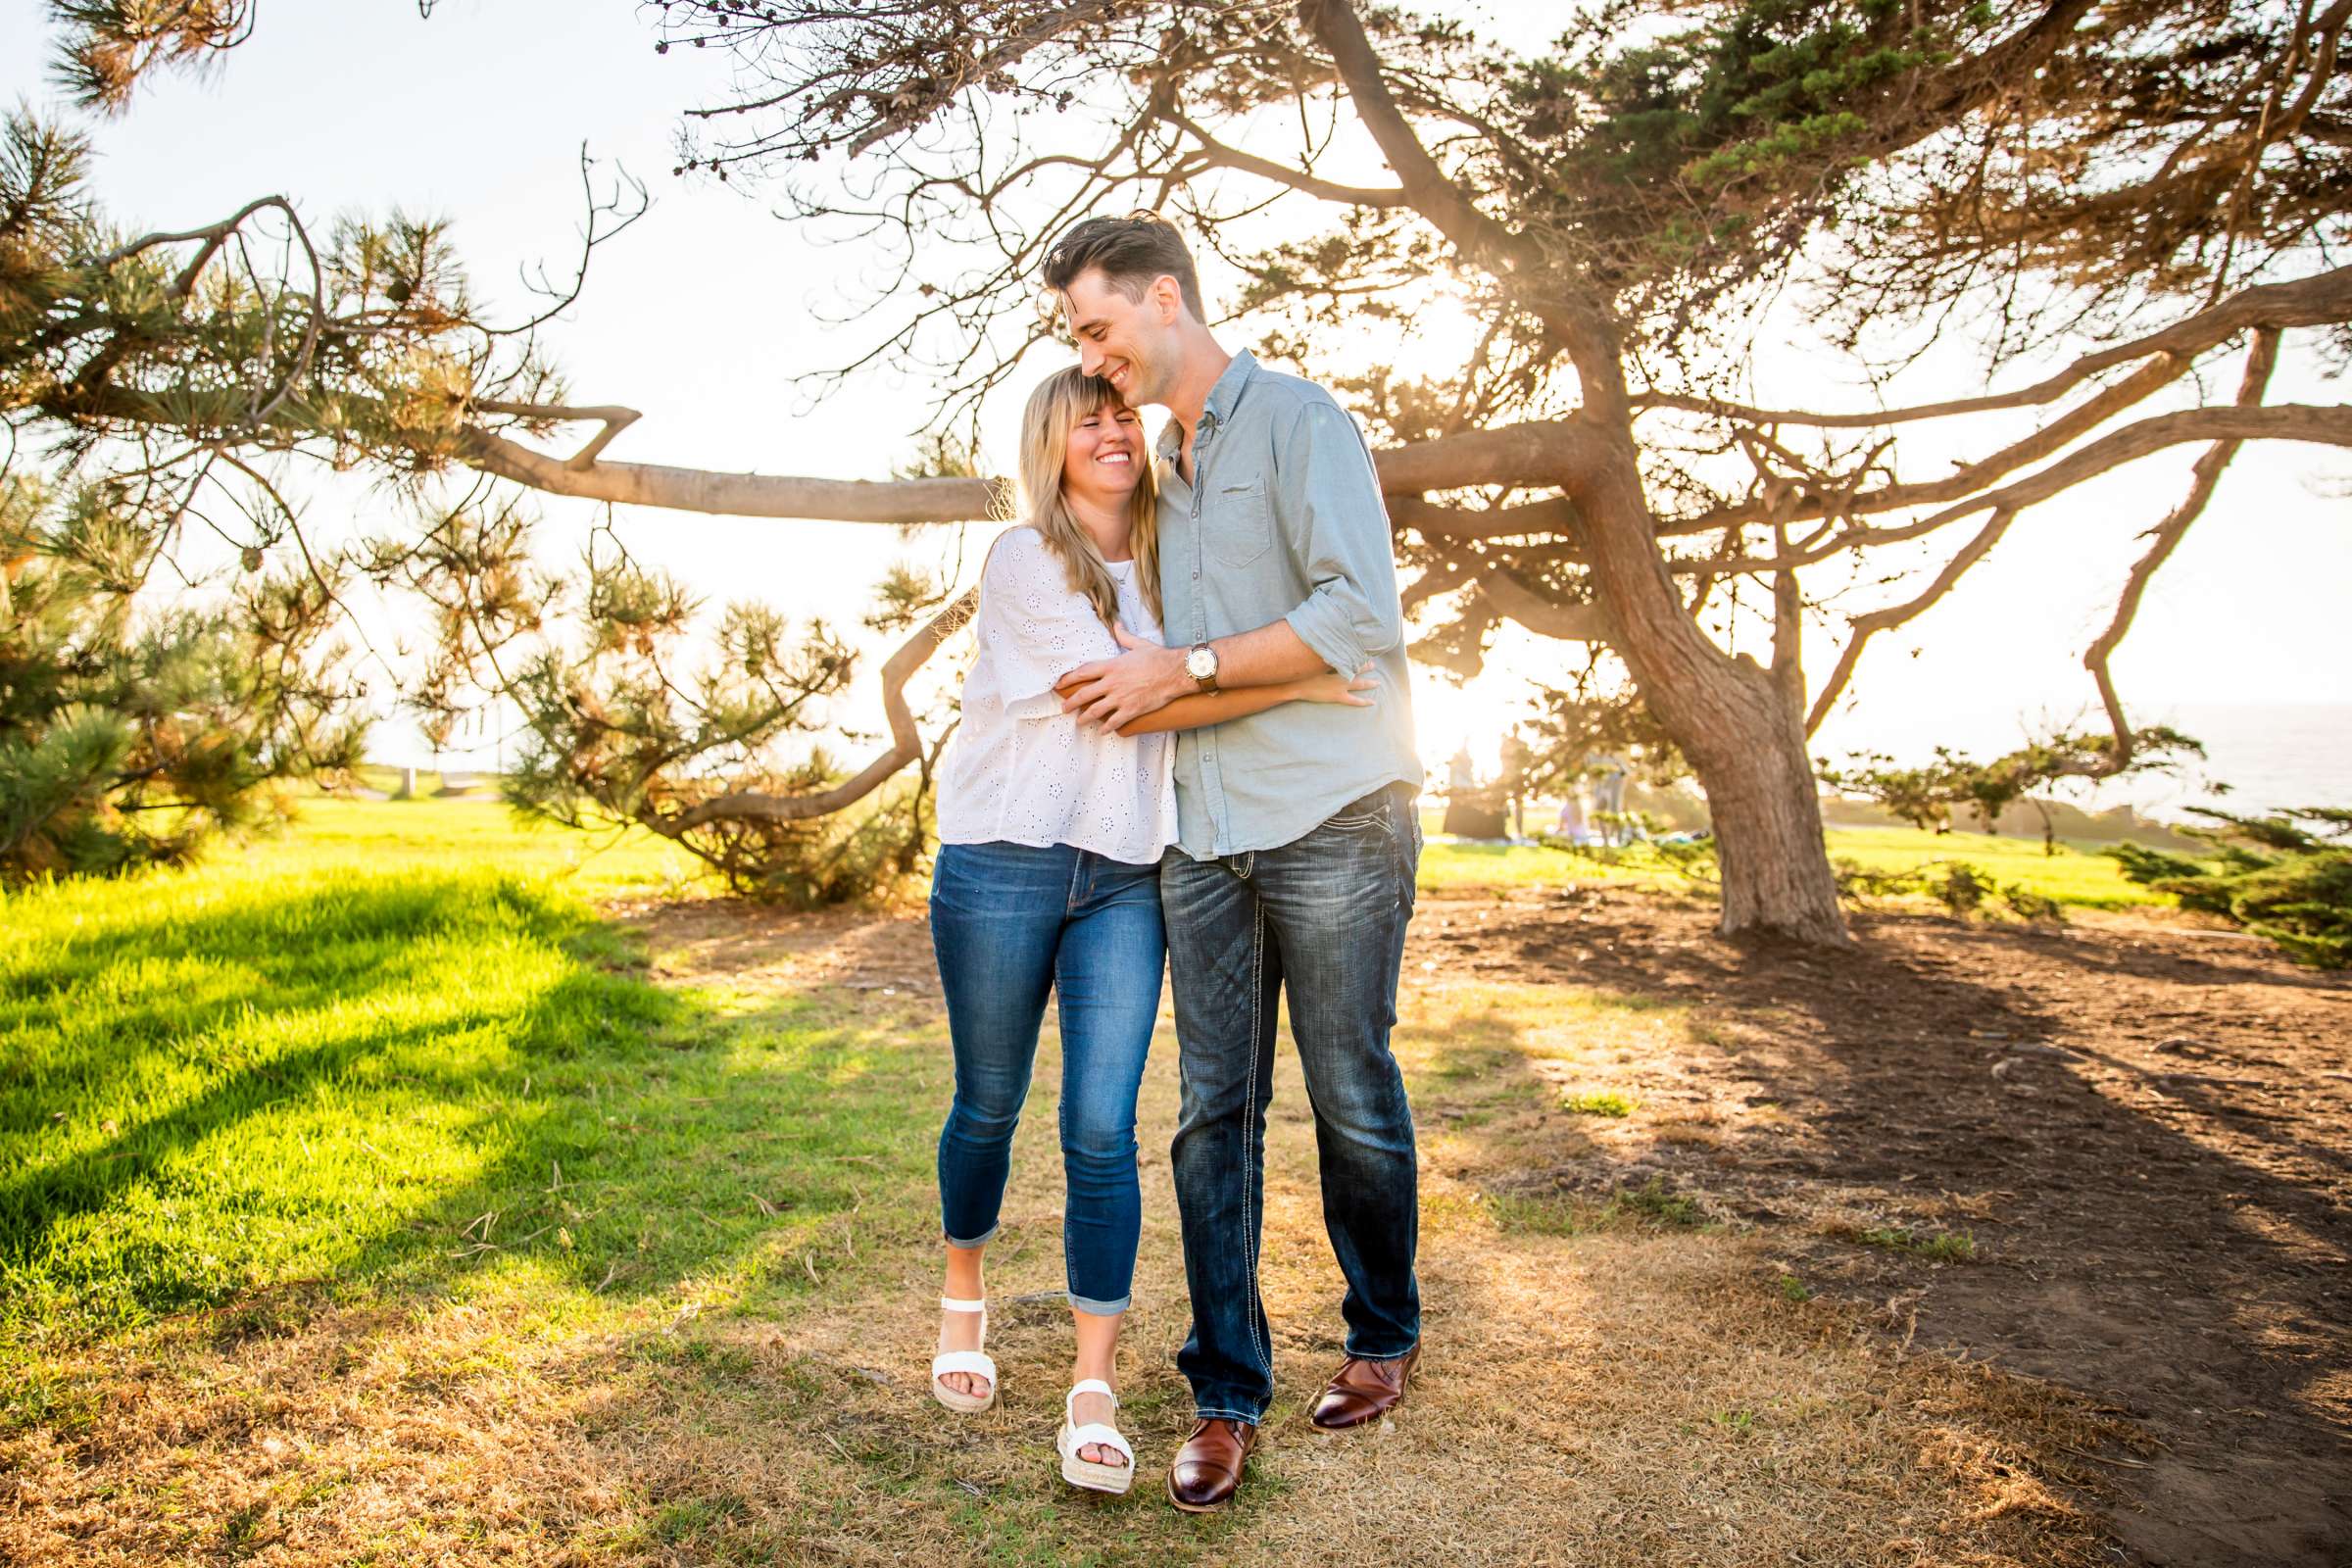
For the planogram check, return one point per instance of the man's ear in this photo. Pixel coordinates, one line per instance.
(1169, 295)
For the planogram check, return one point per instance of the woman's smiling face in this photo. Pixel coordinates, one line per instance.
(1105, 455)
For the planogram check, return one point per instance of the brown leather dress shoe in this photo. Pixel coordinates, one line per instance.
(1363, 1391)
(1208, 1471)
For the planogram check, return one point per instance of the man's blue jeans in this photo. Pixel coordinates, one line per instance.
(1009, 923)
(1323, 916)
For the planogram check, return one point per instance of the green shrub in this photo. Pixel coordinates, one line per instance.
(2272, 875)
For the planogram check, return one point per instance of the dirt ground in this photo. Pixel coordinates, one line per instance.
(2144, 1132)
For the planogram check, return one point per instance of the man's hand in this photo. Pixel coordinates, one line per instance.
(1112, 692)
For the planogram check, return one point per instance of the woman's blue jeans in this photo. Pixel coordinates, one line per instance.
(1010, 923)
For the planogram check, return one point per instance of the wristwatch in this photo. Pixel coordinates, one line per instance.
(1200, 662)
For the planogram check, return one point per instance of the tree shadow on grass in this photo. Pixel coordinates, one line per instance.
(396, 1087)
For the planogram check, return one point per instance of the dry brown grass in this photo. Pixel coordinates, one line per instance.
(1603, 1389)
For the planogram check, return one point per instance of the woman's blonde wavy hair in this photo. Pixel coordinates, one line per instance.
(1060, 402)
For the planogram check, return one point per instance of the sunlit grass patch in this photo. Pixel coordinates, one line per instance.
(372, 1070)
(1651, 1205)
(463, 835)
(1599, 1103)
(2081, 878)
(1447, 863)
(2074, 875)
(1941, 1247)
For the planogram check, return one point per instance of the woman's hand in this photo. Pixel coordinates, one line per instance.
(1332, 687)
(1129, 641)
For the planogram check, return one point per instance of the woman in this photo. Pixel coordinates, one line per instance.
(1047, 879)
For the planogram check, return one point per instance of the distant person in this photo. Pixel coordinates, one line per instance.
(1573, 825)
(1047, 879)
(1608, 774)
(1297, 833)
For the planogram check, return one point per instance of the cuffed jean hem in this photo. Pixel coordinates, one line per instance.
(1354, 1354)
(1098, 1308)
(1243, 1417)
(983, 1240)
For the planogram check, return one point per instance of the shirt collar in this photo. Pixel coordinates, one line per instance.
(1228, 391)
(1222, 400)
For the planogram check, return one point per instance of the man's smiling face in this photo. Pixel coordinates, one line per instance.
(1129, 343)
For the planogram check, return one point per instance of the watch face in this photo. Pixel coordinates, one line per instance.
(1200, 663)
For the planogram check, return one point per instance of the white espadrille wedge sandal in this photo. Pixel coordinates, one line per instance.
(1091, 1474)
(977, 1362)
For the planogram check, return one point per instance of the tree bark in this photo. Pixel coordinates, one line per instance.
(1769, 843)
(1745, 739)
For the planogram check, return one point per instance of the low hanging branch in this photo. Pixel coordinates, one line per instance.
(906, 745)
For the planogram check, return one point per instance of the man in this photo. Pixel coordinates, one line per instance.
(1297, 833)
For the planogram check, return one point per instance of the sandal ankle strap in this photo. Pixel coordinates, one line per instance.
(949, 1303)
(1069, 1400)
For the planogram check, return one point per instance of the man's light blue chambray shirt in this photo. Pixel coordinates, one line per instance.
(1283, 522)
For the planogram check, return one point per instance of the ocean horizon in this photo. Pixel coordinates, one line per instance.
(2259, 756)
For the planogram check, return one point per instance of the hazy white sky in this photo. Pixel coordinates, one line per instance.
(703, 313)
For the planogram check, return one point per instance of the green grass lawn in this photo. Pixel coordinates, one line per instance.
(394, 1046)
(2076, 875)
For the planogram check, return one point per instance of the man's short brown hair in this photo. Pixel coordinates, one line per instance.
(1130, 252)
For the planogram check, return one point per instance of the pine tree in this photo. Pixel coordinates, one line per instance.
(129, 737)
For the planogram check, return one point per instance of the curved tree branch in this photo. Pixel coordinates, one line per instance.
(1435, 197)
(1576, 624)
(2137, 387)
(614, 418)
(1556, 515)
(1867, 626)
(2320, 424)
(906, 744)
(742, 495)
(2322, 300)
(1220, 155)
(2261, 359)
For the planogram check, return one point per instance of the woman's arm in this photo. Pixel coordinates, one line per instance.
(1216, 707)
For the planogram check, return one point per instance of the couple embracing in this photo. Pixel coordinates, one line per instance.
(1186, 742)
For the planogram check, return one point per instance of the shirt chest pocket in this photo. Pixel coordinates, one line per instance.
(1238, 524)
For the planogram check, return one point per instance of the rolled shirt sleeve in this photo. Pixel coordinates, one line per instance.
(1330, 517)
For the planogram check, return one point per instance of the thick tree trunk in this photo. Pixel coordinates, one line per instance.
(1750, 758)
(1744, 735)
